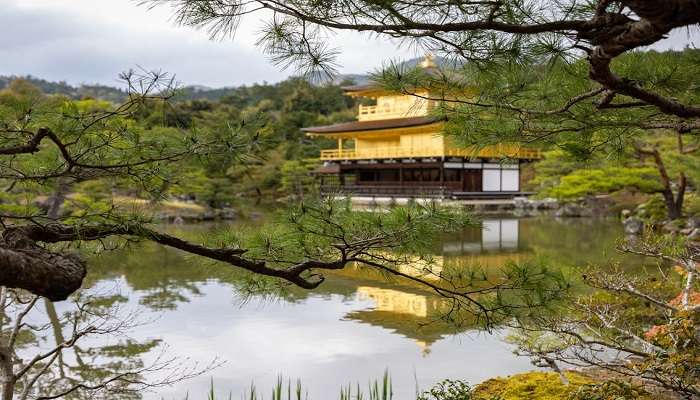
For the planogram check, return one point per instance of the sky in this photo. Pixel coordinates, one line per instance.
(92, 41)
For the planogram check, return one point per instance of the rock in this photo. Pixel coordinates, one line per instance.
(550, 203)
(227, 213)
(598, 205)
(208, 215)
(254, 215)
(520, 213)
(572, 210)
(521, 203)
(546, 204)
(626, 213)
(178, 220)
(693, 222)
(672, 226)
(633, 226)
(694, 235)
(524, 203)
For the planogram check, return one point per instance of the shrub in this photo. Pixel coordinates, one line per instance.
(529, 386)
(692, 204)
(609, 390)
(653, 209)
(448, 390)
(585, 182)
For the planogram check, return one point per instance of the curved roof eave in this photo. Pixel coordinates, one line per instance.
(372, 125)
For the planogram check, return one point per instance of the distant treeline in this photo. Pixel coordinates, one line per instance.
(185, 93)
(101, 92)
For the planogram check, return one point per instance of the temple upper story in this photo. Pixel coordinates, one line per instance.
(399, 125)
(393, 105)
(397, 146)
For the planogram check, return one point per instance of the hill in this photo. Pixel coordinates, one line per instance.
(80, 92)
(190, 92)
(186, 93)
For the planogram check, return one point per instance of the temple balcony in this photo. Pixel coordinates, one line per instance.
(495, 151)
(391, 111)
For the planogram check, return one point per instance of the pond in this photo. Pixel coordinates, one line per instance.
(350, 330)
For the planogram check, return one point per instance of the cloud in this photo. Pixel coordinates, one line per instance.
(60, 45)
(92, 41)
(678, 39)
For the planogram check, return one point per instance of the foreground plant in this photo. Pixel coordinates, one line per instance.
(448, 390)
(640, 327)
(612, 389)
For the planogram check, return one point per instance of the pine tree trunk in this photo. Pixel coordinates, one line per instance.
(673, 211)
(57, 199)
(7, 376)
(673, 202)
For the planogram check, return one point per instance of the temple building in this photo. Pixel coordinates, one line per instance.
(396, 149)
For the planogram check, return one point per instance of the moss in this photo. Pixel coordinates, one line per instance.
(530, 386)
(611, 390)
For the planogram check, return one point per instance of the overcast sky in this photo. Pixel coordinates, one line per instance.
(92, 41)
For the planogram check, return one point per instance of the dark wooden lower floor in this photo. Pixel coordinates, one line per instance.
(423, 179)
(414, 192)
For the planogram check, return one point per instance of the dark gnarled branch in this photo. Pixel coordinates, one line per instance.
(27, 265)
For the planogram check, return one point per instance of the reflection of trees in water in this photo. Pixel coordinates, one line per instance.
(79, 351)
(164, 278)
(576, 241)
(563, 242)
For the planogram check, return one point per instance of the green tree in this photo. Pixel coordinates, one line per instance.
(297, 178)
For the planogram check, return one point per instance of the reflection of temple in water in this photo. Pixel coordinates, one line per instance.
(397, 302)
(494, 235)
(415, 313)
(494, 244)
(412, 315)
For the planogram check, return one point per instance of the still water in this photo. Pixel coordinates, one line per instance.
(350, 330)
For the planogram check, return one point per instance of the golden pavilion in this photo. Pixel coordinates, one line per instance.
(396, 148)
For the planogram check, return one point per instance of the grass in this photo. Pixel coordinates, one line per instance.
(527, 386)
(377, 390)
(166, 205)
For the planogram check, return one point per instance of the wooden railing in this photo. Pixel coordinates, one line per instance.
(437, 191)
(385, 190)
(496, 151)
(373, 113)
